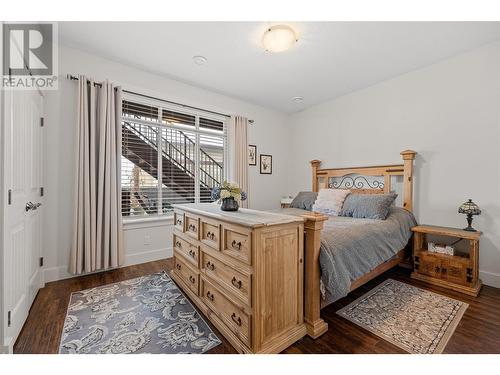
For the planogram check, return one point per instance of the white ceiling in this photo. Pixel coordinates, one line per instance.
(330, 59)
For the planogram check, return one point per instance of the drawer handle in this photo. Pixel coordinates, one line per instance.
(179, 222)
(236, 283)
(178, 266)
(210, 296)
(237, 320)
(192, 279)
(192, 227)
(210, 266)
(192, 253)
(236, 245)
(178, 244)
(210, 235)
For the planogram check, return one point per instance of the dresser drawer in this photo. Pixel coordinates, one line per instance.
(232, 316)
(236, 282)
(210, 233)
(188, 251)
(237, 243)
(179, 220)
(188, 275)
(192, 225)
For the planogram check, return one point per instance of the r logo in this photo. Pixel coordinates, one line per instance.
(27, 49)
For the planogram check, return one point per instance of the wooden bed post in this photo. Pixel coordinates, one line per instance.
(408, 156)
(315, 165)
(313, 225)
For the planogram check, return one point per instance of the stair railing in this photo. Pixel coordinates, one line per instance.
(180, 150)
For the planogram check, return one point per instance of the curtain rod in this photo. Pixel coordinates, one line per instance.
(75, 78)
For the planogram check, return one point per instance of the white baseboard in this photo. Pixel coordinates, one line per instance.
(56, 273)
(490, 278)
(61, 272)
(148, 256)
(7, 347)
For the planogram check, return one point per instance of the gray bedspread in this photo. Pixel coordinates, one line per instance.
(352, 247)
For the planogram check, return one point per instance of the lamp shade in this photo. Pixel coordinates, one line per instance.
(469, 208)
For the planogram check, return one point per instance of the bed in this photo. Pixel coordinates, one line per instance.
(343, 253)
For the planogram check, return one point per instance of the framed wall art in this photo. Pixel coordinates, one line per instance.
(266, 164)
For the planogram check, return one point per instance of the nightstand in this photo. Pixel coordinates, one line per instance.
(459, 272)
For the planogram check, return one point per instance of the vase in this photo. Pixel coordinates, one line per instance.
(229, 204)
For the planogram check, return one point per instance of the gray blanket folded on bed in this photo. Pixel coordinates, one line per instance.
(352, 247)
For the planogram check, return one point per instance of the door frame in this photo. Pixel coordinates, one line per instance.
(3, 347)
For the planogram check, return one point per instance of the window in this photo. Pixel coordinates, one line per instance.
(169, 156)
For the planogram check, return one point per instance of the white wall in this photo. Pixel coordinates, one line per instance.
(269, 133)
(448, 112)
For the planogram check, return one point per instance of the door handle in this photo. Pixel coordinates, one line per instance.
(32, 206)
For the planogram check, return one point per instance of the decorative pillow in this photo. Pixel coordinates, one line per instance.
(368, 206)
(304, 200)
(330, 201)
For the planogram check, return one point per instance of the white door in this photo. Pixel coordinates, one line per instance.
(22, 215)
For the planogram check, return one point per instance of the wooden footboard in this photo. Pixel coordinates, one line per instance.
(381, 268)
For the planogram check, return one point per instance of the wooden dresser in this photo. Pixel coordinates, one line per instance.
(244, 271)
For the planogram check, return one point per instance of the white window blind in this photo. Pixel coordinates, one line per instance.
(169, 156)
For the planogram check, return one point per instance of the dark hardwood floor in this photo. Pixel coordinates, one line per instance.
(478, 331)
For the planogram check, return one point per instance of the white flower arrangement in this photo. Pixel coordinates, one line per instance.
(228, 190)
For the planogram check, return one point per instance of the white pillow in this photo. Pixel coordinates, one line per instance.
(330, 201)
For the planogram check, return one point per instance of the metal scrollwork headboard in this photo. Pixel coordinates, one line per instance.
(356, 182)
(374, 180)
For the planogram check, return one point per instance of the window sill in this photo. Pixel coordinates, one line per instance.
(147, 222)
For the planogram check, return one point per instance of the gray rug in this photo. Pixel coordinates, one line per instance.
(416, 320)
(148, 314)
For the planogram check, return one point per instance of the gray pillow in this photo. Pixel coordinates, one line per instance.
(368, 206)
(304, 200)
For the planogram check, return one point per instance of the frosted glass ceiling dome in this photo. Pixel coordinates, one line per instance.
(279, 38)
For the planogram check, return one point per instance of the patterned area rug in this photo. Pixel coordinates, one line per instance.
(416, 320)
(148, 314)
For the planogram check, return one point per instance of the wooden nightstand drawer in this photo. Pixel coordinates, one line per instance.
(210, 233)
(237, 243)
(187, 274)
(455, 270)
(232, 315)
(427, 264)
(189, 251)
(236, 282)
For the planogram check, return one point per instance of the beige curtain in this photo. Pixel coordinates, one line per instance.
(239, 146)
(97, 228)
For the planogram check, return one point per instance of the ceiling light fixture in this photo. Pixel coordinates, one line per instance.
(297, 99)
(199, 60)
(279, 38)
